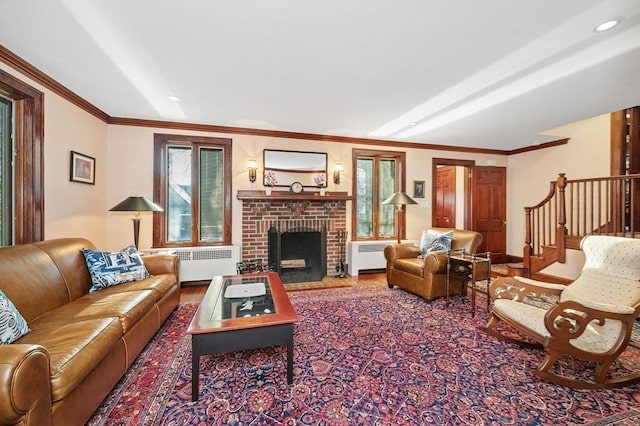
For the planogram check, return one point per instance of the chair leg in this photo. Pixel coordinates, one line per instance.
(600, 375)
(549, 359)
(544, 372)
(493, 321)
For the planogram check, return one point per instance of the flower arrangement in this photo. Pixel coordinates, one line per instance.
(320, 180)
(270, 178)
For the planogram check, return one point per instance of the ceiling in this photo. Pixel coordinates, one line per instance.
(492, 74)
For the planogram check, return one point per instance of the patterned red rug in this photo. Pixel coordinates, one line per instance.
(363, 355)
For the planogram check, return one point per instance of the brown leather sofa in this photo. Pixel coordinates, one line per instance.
(80, 343)
(427, 277)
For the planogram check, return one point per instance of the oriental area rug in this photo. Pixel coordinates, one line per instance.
(364, 355)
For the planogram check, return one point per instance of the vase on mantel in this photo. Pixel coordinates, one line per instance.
(323, 191)
(267, 190)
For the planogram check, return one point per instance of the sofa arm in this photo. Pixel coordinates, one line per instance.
(25, 385)
(400, 251)
(158, 264)
(435, 263)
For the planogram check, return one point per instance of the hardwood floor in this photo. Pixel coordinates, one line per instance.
(192, 293)
(195, 293)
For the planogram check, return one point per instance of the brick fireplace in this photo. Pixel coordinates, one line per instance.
(284, 210)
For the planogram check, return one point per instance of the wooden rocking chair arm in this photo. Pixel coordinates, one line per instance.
(569, 319)
(517, 288)
(604, 307)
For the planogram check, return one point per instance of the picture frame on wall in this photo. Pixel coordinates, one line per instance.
(418, 189)
(83, 168)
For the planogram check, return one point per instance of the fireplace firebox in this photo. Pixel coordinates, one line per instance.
(298, 254)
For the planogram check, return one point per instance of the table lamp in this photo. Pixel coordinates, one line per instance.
(136, 204)
(399, 199)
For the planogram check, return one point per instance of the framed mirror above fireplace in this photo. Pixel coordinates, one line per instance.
(282, 168)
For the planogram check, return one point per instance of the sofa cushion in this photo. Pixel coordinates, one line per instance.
(31, 280)
(129, 307)
(435, 241)
(75, 349)
(112, 268)
(160, 285)
(12, 324)
(67, 255)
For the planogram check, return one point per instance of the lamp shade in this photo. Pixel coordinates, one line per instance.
(136, 204)
(399, 199)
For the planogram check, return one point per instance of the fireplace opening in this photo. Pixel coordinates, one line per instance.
(298, 255)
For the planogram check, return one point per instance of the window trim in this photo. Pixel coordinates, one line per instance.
(28, 162)
(161, 142)
(401, 159)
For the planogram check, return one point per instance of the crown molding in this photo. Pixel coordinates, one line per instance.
(294, 135)
(539, 146)
(19, 64)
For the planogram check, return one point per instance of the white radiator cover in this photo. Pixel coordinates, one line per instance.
(363, 255)
(204, 263)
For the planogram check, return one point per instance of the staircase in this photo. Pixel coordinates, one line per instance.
(575, 208)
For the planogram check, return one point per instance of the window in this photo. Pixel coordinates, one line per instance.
(22, 163)
(192, 183)
(378, 175)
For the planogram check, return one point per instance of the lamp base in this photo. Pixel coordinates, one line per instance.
(136, 230)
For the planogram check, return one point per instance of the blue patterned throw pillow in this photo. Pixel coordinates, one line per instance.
(109, 269)
(12, 324)
(435, 241)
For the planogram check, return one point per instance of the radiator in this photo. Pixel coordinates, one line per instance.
(363, 255)
(204, 263)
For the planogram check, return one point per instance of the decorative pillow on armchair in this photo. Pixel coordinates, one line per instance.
(109, 269)
(12, 324)
(435, 241)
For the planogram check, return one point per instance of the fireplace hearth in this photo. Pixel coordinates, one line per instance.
(299, 254)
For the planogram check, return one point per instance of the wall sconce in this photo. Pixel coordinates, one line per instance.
(336, 173)
(252, 166)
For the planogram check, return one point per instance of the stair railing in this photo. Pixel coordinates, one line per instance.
(575, 208)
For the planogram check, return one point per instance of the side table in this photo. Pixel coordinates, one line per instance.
(468, 268)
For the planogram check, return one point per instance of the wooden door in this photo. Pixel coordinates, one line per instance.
(445, 208)
(489, 210)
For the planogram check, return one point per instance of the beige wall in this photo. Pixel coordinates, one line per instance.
(71, 208)
(131, 172)
(587, 154)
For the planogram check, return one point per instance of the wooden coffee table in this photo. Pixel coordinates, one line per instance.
(254, 313)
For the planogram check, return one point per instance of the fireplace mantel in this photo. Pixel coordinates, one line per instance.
(288, 195)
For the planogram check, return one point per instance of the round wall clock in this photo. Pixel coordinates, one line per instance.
(296, 187)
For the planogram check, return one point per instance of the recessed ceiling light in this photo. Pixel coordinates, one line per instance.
(413, 123)
(173, 98)
(607, 25)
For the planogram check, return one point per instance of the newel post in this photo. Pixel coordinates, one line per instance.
(526, 260)
(561, 230)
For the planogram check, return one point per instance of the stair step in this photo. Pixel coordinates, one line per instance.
(508, 270)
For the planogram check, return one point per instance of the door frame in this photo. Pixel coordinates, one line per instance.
(468, 165)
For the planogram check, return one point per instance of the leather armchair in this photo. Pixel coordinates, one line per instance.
(427, 277)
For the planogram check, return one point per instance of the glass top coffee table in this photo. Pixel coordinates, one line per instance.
(241, 312)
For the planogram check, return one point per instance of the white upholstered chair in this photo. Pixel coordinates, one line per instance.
(593, 318)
